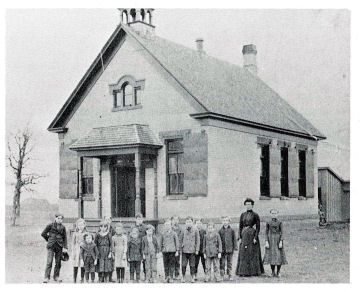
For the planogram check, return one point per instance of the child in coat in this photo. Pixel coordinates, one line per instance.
(120, 248)
(175, 226)
(229, 245)
(139, 224)
(212, 252)
(88, 256)
(150, 249)
(76, 241)
(190, 245)
(134, 254)
(274, 246)
(55, 235)
(169, 245)
(103, 241)
(200, 255)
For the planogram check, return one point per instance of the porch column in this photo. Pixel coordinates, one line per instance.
(137, 182)
(156, 210)
(80, 188)
(98, 162)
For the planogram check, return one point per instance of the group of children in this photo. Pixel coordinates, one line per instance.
(110, 249)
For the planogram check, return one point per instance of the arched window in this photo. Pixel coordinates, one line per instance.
(128, 94)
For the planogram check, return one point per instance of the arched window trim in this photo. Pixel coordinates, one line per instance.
(118, 93)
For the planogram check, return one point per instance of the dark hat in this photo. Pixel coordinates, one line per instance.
(64, 256)
(249, 200)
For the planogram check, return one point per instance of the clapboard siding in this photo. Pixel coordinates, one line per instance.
(335, 200)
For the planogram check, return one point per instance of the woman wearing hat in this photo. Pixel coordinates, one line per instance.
(249, 259)
(274, 247)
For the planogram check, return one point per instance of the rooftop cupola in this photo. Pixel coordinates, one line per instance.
(140, 19)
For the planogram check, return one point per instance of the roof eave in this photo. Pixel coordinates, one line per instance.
(234, 120)
(53, 124)
(99, 147)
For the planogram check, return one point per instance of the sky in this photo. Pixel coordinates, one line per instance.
(304, 55)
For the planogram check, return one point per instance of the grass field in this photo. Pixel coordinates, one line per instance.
(315, 255)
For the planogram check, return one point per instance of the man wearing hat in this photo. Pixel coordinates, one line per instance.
(55, 235)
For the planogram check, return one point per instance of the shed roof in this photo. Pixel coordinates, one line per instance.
(117, 136)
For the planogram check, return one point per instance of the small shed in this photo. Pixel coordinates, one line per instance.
(334, 195)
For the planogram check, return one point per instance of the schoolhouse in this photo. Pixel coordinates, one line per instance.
(162, 129)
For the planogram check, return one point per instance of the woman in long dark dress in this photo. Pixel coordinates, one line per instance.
(249, 259)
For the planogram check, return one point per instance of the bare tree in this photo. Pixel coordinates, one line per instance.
(19, 155)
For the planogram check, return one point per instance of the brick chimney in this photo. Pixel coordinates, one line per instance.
(200, 45)
(249, 55)
(140, 19)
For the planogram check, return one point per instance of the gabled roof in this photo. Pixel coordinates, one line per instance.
(117, 136)
(222, 89)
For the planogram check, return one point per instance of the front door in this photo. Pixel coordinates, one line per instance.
(123, 192)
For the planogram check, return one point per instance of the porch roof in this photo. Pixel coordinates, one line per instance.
(117, 137)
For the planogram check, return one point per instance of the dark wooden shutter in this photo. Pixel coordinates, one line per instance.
(275, 171)
(293, 164)
(310, 174)
(68, 172)
(195, 164)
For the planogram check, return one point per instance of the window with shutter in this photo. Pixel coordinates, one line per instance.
(310, 161)
(265, 171)
(175, 170)
(87, 176)
(302, 173)
(195, 163)
(284, 172)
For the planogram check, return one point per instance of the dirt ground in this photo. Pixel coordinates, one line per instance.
(315, 255)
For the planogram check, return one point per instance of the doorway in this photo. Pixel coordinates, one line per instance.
(123, 191)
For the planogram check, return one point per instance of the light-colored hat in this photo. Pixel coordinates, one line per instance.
(274, 212)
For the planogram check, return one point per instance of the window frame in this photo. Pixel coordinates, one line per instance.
(118, 93)
(284, 171)
(168, 154)
(302, 173)
(265, 165)
(87, 180)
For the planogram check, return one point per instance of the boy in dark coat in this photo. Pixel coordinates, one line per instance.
(134, 254)
(200, 255)
(169, 245)
(55, 235)
(88, 255)
(212, 252)
(139, 224)
(229, 245)
(190, 245)
(179, 233)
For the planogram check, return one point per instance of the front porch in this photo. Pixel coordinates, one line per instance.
(124, 174)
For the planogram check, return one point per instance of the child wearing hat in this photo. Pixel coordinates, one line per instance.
(274, 246)
(55, 235)
(150, 249)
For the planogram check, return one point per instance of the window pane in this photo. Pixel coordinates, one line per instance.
(180, 163)
(138, 96)
(118, 97)
(172, 164)
(173, 183)
(176, 145)
(87, 167)
(128, 95)
(181, 183)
